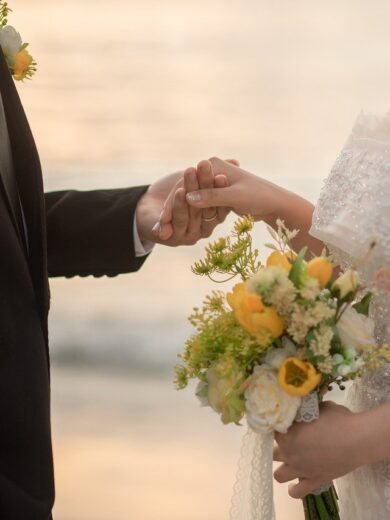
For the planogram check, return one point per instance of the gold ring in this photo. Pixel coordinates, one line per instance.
(205, 219)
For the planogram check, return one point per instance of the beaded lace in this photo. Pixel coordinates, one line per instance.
(354, 210)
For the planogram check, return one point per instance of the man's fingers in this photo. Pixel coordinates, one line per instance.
(195, 214)
(165, 231)
(221, 181)
(180, 213)
(285, 473)
(166, 214)
(206, 181)
(303, 488)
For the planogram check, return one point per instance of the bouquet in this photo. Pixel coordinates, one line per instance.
(270, 349)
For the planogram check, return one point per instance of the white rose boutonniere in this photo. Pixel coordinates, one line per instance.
(20, 62)
(269, 408)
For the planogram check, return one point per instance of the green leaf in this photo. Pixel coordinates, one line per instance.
(298, 268)
(363, 306)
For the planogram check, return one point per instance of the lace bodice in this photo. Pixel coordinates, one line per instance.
(353, 210)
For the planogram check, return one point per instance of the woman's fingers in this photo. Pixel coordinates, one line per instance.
(285, 473)
(278, 454)
(303, 488)
(211, 198)
(234, 162)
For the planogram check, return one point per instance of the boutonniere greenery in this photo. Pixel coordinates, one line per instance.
(20, 62)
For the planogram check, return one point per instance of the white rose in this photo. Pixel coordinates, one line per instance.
(268, 407)
(10, 42)
(202, 393)
(355, 330)
(347, 282)
(276, 356)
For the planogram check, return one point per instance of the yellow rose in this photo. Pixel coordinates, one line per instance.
(283, 260)
(321, 269)
(23, 61)
(259, 320)
(298, 377)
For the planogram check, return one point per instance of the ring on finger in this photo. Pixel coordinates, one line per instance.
(210, 219)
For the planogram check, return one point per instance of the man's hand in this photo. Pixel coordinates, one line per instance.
(182, 225)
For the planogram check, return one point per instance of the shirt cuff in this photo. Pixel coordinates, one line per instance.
(141, 248)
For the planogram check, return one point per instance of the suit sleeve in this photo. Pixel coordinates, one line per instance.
(91, 232)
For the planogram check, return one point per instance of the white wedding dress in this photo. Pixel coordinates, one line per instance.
(352, 211)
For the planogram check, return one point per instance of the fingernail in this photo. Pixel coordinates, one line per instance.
(161, 216)
(194, 196)
(156, 228)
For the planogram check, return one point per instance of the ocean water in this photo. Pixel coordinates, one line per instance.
(126, 92)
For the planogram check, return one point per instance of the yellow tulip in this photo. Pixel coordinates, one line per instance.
(261, 321)
(23, 62)
(298, 377)
(321, 269)
(282, 260)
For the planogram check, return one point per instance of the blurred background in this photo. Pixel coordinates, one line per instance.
(129, 90)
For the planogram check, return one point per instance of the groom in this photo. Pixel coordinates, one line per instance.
(57, 234)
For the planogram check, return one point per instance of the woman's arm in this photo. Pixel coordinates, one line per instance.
(248, 194)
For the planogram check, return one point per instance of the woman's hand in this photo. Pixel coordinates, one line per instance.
(244, 193)
(322, 450)
(247, 194)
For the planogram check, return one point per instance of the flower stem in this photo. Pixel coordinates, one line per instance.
(322, 507)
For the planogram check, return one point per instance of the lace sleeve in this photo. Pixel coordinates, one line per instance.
(354, 206)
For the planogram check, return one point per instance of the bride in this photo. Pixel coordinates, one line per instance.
(352, 443)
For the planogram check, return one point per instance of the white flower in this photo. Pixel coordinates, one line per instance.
(276, 356)
(268, 407)
(355, 330)
(10, 42)
(202, 393)
(311, 289)
(274, 287)
(347, 282)
(323, 340)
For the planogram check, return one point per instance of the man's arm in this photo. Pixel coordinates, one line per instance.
(92, 232)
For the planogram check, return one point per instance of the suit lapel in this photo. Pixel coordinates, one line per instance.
(7, 177)
(29, 182)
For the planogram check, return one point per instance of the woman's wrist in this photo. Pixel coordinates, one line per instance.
(373, 435)
(297, 213)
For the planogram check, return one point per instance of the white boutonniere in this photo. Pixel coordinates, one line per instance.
(20, 62)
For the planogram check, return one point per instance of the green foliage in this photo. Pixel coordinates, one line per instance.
(232, 255)
(298, 269)
(363, 306)
(219, 337)
(4, 12)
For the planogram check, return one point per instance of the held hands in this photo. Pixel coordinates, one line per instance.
(164, 215)
(320, 451)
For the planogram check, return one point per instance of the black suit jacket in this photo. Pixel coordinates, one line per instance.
(69, 233)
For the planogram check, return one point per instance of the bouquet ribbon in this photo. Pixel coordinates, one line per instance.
(253, 490)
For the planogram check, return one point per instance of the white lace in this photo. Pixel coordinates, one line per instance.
(253, 491)
(353, 210)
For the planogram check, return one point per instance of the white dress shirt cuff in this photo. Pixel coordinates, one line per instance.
(141, 248)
